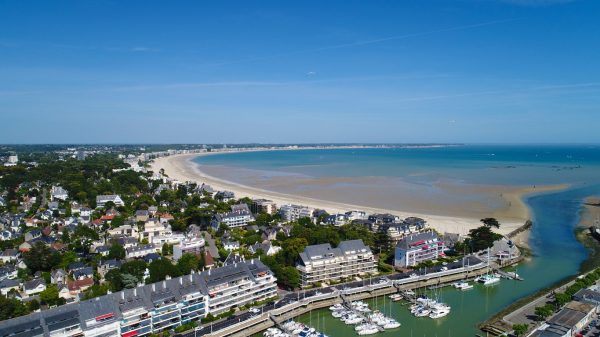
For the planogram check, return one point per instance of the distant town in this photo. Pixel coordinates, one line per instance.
(93, 243)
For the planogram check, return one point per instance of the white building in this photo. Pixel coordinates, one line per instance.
(294, 212)
(139, 251)
(322, 263)
(58, 193)
(101, 200)
(193, 245)
(239, 216)
(264, 206)
(421, 247)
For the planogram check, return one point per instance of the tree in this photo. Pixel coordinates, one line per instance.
(167, 249)
(490, 222)
(116, 251)
(520, 329)
(135, 268)
(544, 312)
(10, 308)
(187, 263)
(561, 299)
(41, 258)
(160, 269)
(50, 295)
(289, 277)
(481, 238)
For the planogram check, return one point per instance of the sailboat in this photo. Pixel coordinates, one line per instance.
(489, 278)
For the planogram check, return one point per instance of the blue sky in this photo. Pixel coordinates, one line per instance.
(299, 71)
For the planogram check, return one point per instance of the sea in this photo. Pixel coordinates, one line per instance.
(556, 254)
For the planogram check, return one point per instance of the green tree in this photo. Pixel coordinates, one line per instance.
(289, 277)
(187, 263)
(561, 299)
(11, 308)
(41, 258)
(490, 222)
(543, 312)
(116, 251)
(520, 329)
(481, 238)
(50, 295)
(135, 268)
(159, 269)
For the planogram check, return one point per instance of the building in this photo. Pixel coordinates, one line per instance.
(230, 245)
(153, 308)
(421, 247)
(58, 193)
(225, 196)
(569, 320)
(294, 212)
(322, 263)
(237, 284)
(101, 200)
(239, 216)
(337, 219)
(192, 245)
(12, 161)
(263, 206)
(139, 251)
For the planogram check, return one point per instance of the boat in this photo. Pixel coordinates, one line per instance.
(367, 329)
(488, 279)
(462, 285)
(439, 313)
(337, 307)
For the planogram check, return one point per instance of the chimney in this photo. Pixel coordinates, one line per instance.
(122, 295)
(153, 287)
(135, 292)
(181, 280)
(164, 284)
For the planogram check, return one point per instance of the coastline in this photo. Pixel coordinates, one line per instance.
(181, 167)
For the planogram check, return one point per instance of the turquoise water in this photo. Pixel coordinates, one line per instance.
(557, 254)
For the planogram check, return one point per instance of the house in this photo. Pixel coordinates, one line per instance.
(266, 247)
(108, 265)
(270, 233)
(101, 200)
(142, 215)
(58, 276)
(80, 274)
(209, 261)
(25, 247)
(230, 245)
(76, 266)
(35, 286)
(323, 263)
(9, 255)
(33, 234)
(58, 193)
(53, 205)
(8, 272)
(102, 250)
(63, 292)
(124, 230)
(139, 251)
(337, 219)
(78, 286)
(356, 215)
(9, 284)
(151, 257)
(225, 196)
(75, 208)
(418, 248)
(239, 216)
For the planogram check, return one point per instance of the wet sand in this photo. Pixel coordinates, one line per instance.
(590, 212)
(343, 194)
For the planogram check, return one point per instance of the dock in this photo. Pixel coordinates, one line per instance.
(509, 276)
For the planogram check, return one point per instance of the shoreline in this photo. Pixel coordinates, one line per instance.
(181, 167)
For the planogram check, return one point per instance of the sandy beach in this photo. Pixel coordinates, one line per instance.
(181, 168)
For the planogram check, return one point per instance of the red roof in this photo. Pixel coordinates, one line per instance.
(208, 259)
(107, 217)
(77, 285)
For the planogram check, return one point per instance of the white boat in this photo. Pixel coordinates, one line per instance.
(337, 307)
(391, 324)
(367, 329)
(438, 313)
(462, 285)
(422, 312)
(488, 279)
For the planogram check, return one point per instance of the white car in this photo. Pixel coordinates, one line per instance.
(255, 310)
(413, 275)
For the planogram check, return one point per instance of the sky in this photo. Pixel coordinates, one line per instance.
(468, 71)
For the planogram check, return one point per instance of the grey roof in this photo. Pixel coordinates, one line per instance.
(566, 318)
(353, 245)
(8, 283)
(408, 240)
(587, 296)
(33, 283)
(116, 303)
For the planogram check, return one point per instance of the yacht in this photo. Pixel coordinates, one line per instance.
(488, 279)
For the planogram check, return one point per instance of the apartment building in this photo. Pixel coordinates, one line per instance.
(192, 245)
(294, 212)
(153, 308)
(263, 206)
(417, 248)
(239, 216)
(322, 263)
